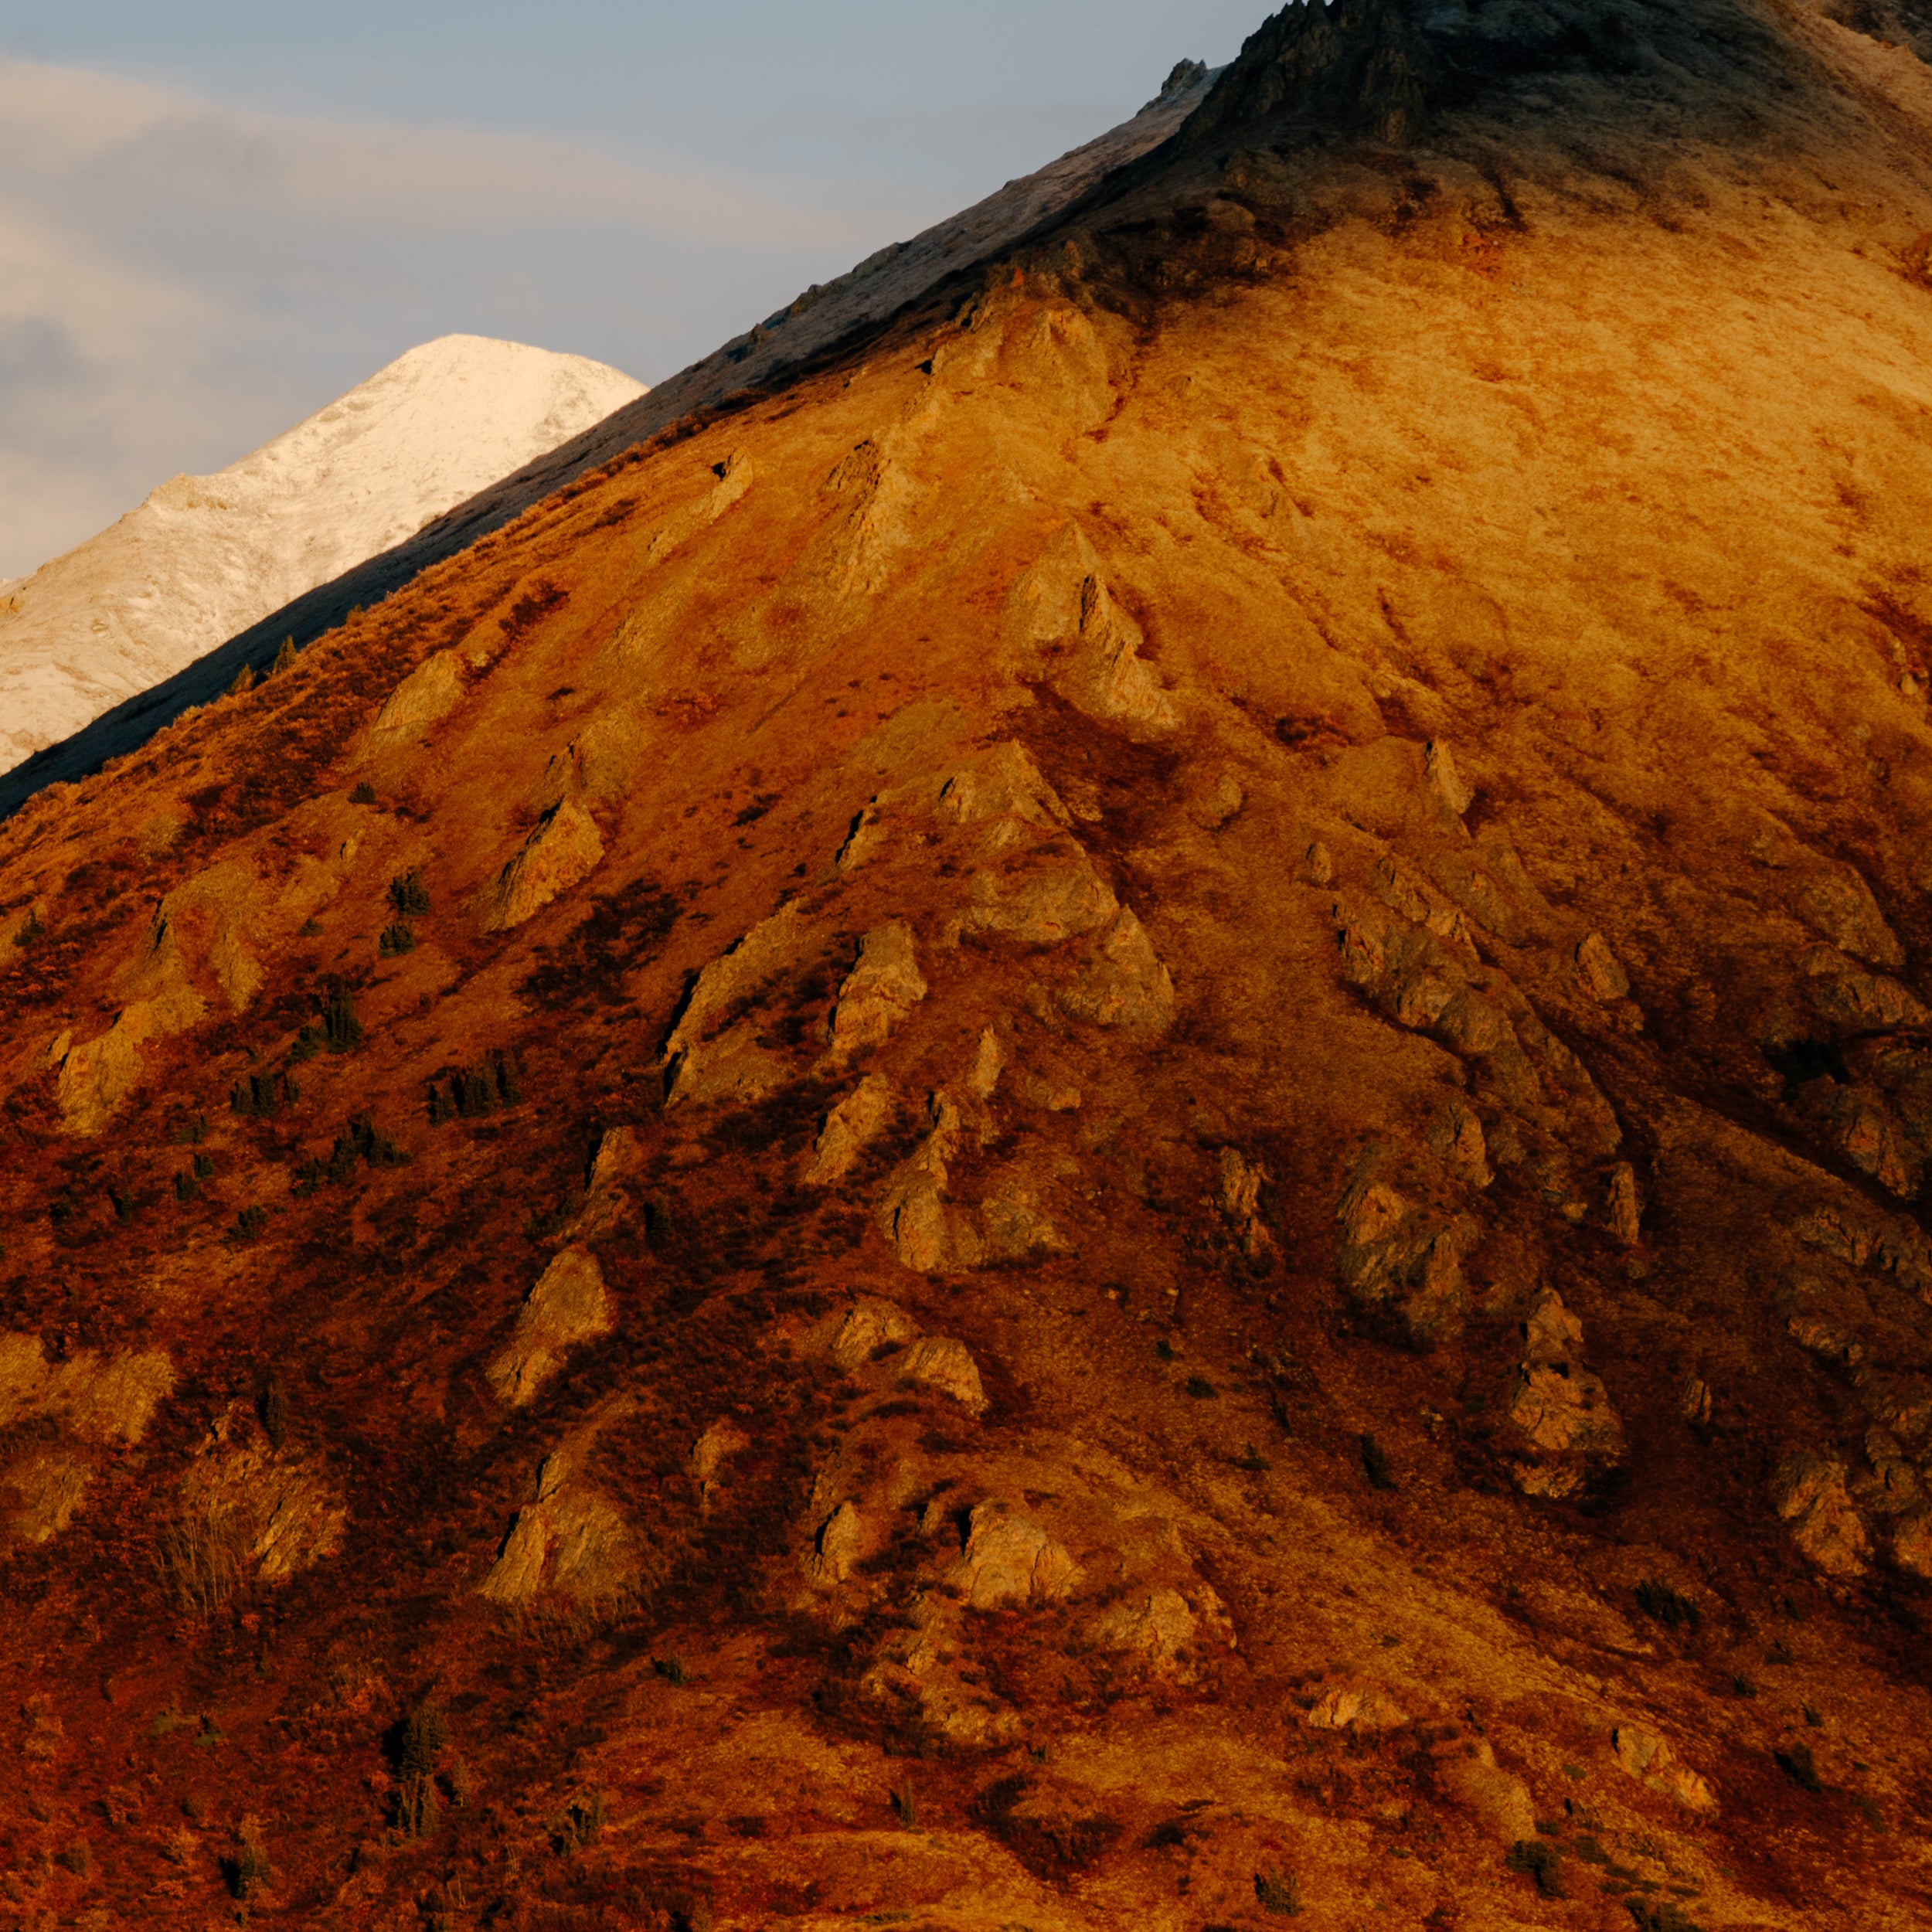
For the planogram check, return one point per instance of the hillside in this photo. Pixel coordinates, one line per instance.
(1115, 1116)
(206, 556)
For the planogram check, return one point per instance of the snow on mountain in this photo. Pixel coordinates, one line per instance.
(205, 556)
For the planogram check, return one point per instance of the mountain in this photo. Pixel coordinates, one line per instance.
(205, 556)
(1115, 1114)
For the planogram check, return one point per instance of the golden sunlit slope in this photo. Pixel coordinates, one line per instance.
(1119, 1121)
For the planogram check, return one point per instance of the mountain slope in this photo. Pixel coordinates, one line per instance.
(205, 556)
(1121, 1121)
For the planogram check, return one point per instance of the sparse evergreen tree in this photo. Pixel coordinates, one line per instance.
(284, 659)
(244, 681)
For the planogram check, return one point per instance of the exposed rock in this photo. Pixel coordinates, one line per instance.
(1442, 778)
(1597, 967)
(568, 1306)
(1622, 1207)
(1009, 1558)
(47, 1487)
(850, 1127)
(1241, 1184)
(712, 1053)
(100, 1401)
(1040, 896)
(1839, 904)
(572, 1540)
(429, 693)
(1005, 784)
(723, 1439)
(1849, 996)
(1561, 1413)
(1646, 1757)
(840, 1542)
(618, 1156)
(1912, 1544)
(1162, 1630)
(1221, 802)
(926, 1234)
(1458, 1137)
(1012, 1226)
(95, 1077)
(939, 1362)
(1123, 983)
(923, 1666)
(870, 1326)
(1320, 864)
(989, 1061)
(272, 1509)
(564, 848)
(1401, 1262)
(1694, 1400)
(884, 987)
(1499, 1797)
(1810, 1495)
(1365, 1707)
(1063, 610)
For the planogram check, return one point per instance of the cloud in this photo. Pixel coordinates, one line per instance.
(179, 280)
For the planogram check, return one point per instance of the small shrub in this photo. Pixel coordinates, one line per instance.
(586, 1818)
(190, 1133)
(1664, 1605)
(341, 1031)
(1279, 1892)
(1741, 1685)
(1797, 1763)
(309, 1043)
(1374, 1464)
(204, 1167)
(409, 896)
(1163, 1350)
(396, 940)
(1200, 1388)
(249, 1223)
(187, 1186)
(262, 1096)
(1542, 1862)
(363, 795)
(1867, 1810)
(29, 930)
(1659, 1916)
(248, 1871)
(423, 1738)
(1813, 1716)
(670, 1669)
(905, 1804)
(1254, 1462)
(78, 1859)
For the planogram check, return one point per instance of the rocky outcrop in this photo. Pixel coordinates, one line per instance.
(1809, 1493)
(1009, 1558)
(563, 849)
(712, 1054)
(1122, 982)
(571, 1539)
(568, 1307)
(1560, 1413)
(1241, 1181)
(1646, 1755)
(1363, 1706)
(850, 1127)
(881, 991)
(1499, 1798)
(1402, 1262)
(427, 695)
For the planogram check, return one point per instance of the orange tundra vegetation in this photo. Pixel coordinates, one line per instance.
(1115, 1116)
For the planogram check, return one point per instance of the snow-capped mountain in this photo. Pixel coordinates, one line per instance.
(205, 556)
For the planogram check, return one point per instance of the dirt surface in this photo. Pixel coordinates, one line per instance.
(1121, 1122)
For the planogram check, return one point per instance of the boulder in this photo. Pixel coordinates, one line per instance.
(1809, 1493)
(1439, 774)
(723, 1439)
(563, 849)
(1042, 896)
(840, 1541)
(1560, 1412)
(1838, 903)
(1160, 1630)
(1623, 1205)
(989, 1061)
(429, 694)
(1009, 1558)
(568, 1306)
(870, 1325)
(1402, 1263)
(940, 1363)
(1603, 977)
(1123, 983)
(882, 989)
(1364, 1707)
(712, 1053)
(1646, 1757)
(1222, 801)
(850, 1127)
(1498, 1798)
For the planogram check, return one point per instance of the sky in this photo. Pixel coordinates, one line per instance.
(215, 217)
